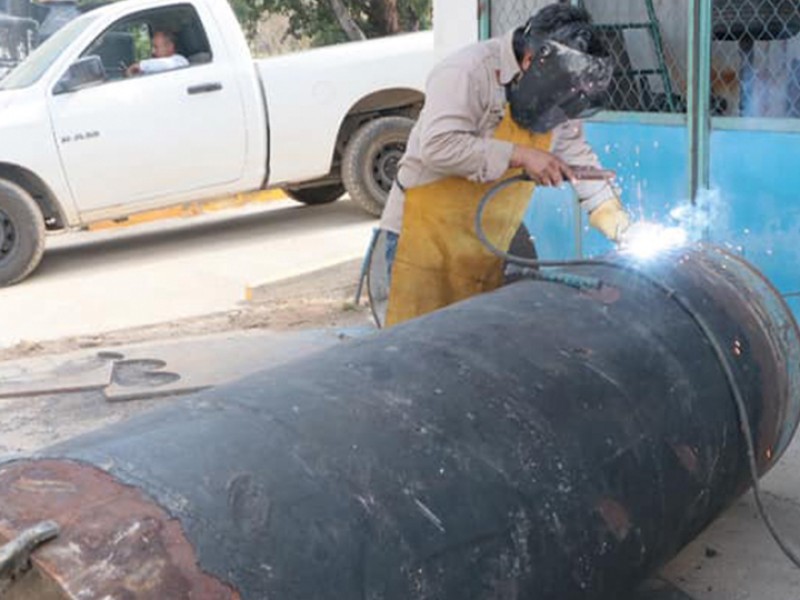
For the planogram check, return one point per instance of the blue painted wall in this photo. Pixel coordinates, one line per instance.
(652, 173)
(758, 178)
(756, 201)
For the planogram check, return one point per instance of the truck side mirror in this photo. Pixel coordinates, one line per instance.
(84, 72)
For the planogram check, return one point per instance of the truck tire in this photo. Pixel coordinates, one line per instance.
(316, 195)
(369, 164)
(21, 234)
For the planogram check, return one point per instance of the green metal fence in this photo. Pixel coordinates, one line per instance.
(756, 57)
(753, 47)
(650, 62)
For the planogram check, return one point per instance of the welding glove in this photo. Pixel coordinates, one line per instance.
(610, 219)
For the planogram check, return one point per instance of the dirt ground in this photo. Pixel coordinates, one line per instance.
(323, 299)
(320, 299)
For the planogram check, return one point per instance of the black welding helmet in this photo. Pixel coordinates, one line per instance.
(568, 77)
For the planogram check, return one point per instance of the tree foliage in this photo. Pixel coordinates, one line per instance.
(317, 19)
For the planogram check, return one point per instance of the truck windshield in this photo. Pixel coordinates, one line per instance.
(32, 68)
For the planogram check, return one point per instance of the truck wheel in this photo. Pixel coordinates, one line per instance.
(369, 164)
(21, 234)
(316, 195)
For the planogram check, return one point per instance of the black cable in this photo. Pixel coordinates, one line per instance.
(519, 260)
(685, 305)
(744, 423)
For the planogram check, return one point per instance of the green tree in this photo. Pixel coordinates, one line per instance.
(332, 21)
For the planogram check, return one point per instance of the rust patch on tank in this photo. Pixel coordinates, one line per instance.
(687, 457)
(615, 516)
(605, 294)
(115, 542)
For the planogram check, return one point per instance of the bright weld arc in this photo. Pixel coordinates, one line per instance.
(649, 240)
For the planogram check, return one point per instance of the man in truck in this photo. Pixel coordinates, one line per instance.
(165, 57)
(494, 109)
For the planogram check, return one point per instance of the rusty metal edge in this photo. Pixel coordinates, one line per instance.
(115, 541)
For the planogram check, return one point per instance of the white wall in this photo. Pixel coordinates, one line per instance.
(455, 25)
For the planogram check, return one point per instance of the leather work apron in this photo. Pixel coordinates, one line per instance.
(440, 259)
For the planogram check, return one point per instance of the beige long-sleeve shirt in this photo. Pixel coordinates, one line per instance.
(454, 135)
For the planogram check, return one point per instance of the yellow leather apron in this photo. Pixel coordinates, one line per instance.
(440, 259)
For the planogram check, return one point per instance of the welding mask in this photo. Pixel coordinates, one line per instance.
(564, 82)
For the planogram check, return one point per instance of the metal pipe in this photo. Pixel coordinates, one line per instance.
(699, 96)
(537, 442)
(484, 19)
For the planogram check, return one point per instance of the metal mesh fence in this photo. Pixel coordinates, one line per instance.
(756, 57)
(755, 52)
(647, 40)
(508, 14)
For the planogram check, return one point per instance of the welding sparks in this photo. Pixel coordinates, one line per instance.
(647, 240)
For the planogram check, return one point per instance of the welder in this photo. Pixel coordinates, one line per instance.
(495, 109)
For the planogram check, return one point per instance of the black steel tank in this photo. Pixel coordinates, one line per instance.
(542, 441)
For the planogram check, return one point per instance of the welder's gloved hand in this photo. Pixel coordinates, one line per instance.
(610, 219)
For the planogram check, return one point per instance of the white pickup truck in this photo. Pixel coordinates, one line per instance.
(81, 141)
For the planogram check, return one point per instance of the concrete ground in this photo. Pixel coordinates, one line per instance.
(733, 560)
(51, 398)
(95, 282)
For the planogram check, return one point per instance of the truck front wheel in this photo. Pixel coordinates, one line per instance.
(21, 234)
(316, 195)
(369, 164)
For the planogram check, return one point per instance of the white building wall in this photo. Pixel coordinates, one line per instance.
(455, 24)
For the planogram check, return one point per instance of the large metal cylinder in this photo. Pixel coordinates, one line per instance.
(537, 442)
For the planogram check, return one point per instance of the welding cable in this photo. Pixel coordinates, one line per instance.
(744, 419)
(518, 260)
(685, 305)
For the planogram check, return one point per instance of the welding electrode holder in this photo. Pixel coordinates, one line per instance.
(584, 173)
(593, 174)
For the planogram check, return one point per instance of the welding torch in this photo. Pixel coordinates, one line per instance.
(584, 173)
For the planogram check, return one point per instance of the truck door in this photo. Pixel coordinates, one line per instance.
(153, 128)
